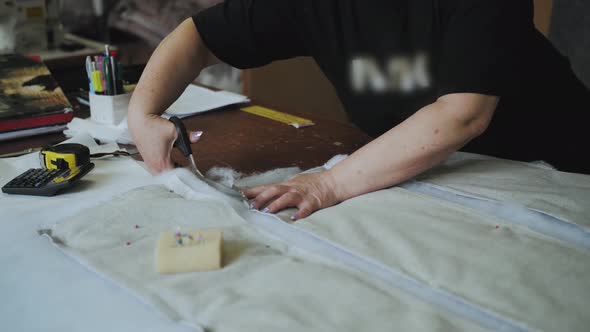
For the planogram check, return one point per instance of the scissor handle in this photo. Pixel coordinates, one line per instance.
(182, 142)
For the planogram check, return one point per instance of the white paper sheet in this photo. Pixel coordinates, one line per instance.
(196, 99)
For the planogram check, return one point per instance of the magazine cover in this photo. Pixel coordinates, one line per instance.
(28, 90)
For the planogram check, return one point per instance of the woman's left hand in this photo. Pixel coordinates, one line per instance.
(307, 192)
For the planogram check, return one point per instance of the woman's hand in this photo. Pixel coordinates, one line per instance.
(307, 192)
(154, 137)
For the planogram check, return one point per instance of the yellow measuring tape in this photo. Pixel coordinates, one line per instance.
(61, 156)
(289, 119)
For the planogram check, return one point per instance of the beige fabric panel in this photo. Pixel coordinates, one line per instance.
(509, 270)
(490, 263)
(263, 286)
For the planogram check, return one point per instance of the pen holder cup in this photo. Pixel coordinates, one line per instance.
(109, 110)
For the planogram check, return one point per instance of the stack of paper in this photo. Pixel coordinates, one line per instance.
(196, 99)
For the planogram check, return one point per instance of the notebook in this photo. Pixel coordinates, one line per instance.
(29, 97)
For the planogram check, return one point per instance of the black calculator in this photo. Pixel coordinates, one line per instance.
(46, 182)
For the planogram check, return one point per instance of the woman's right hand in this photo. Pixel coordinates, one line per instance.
(154, 137)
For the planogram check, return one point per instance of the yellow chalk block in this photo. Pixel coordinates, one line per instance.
(189, 251)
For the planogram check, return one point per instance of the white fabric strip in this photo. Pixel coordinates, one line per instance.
(538, 221)
(559, 194)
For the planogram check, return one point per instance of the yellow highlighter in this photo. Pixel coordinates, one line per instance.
(97, 82)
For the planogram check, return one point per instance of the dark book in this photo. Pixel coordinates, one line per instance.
(29, 96)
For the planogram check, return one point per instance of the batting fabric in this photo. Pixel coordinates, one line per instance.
(265, 285)
(398, 258)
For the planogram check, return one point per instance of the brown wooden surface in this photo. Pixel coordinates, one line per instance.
(249, 143)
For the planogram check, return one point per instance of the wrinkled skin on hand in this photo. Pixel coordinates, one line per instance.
(307, 192)
(154, 137)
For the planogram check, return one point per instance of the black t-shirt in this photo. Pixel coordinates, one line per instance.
(389, 58)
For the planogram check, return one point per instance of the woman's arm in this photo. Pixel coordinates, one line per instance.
(175, 63)
(414, 146)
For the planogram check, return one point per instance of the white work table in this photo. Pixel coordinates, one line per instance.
(45, 290)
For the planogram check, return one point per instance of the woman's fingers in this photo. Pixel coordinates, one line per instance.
(267, 195)
(305, 204)
(306, 192)
(195, 136)
(161, 166)
(288, 199)
(254, 191)
(305, 208)
(154, 137)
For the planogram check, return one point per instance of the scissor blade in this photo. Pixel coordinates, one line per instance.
(184, 144)
(223, 188)
(194, 166)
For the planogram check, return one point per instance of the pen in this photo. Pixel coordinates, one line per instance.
(113, 74)
(119, 78)
(83, 101)
(107, 75)
(89, 73)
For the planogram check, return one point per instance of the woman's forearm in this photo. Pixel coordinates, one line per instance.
(415, 145)
(175, 63)
(419, 143)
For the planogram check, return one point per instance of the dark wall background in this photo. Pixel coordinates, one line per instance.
(570, 32)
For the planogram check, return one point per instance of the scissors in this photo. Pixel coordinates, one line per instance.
(184, 145)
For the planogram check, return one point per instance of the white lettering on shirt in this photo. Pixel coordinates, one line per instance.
(400, 74)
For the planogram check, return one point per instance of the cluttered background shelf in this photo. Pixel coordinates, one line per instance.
(231, 137)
